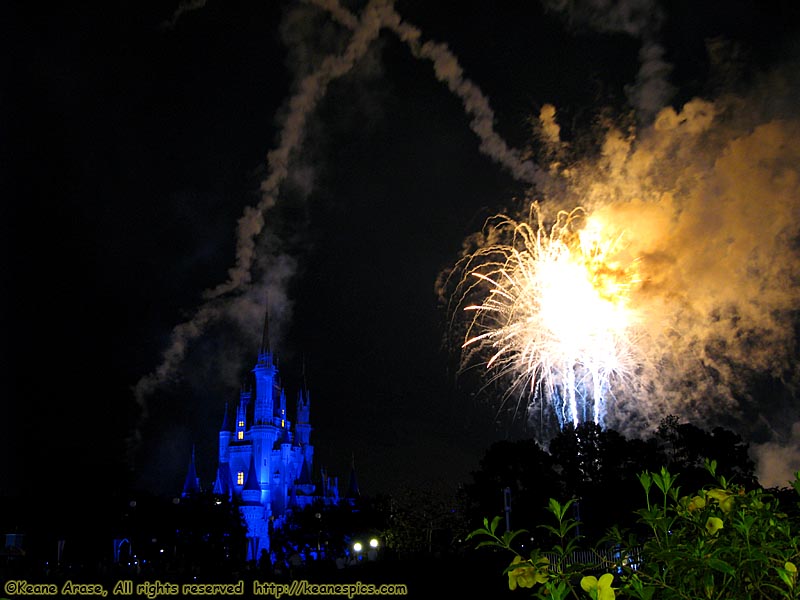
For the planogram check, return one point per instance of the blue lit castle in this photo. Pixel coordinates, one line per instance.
(265, 460)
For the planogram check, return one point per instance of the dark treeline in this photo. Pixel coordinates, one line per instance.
(203, 537)
(600, 468)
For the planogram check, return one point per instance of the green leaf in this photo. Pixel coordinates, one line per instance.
(494, 524)
(721, 565)
(477, 532)
(556, 591)
(558, 509)
(509, 536)
(788, 573)
(646, 481)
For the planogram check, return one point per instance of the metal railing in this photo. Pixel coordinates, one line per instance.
(610, 558)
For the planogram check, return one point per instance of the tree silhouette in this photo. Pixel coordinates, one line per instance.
(599, 468)
(686, 447)
(523, 467)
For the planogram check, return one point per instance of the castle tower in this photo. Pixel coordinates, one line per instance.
(304, 484)
(241, 414)
(223, 485)
(266, 460)
(192, 484)
(353, 493)
(265, 374)
(254, 514)
(303, 426)
(281, 416)
(224, 437)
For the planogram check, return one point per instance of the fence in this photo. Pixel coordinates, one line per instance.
(610, 558)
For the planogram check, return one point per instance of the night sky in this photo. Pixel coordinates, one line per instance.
(134, 136)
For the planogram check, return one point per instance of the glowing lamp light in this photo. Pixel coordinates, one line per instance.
(373, 543)
(357, 547)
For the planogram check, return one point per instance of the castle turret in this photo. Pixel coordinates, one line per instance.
(241, 413)
(303, 426)
(251, 492)
(254, 514)
(223, 485)
(191, 484)
(281, 416)
(304, 484)
(265, 374)
(286, 446)
(353, 493)
(224, 437)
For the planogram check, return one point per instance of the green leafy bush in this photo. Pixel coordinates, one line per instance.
(721, 541)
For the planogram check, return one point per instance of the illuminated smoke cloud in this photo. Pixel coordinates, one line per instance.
(548, 126)
(707, 199)
(778, 461)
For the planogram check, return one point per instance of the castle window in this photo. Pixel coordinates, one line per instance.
(283, 422)
(240, 435)
(240, 478)
(241, 423)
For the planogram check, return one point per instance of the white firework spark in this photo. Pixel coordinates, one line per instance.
(555, 314)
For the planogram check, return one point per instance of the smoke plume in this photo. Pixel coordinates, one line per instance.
(263, 267)
(640, 19)
(707, 200)
(254, 276)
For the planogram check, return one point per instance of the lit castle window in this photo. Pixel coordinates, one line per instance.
(240, 478)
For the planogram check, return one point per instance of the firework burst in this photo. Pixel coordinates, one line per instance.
(552, 312)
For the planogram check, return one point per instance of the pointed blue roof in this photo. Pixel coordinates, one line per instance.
(305, 475)
(251, 483)
(223, 485)
(225, 424)
(352, 487)
(191, 485)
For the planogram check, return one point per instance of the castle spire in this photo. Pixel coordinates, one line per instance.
(251, 493)
(352, 488)
(225, 423)
(265, 348)
(251, 483)
(191, 485)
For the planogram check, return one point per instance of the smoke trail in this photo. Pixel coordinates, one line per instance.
(448, 70)
(377, 15)
(183, 7)
(220, 301)
(640, 19)
(311, 90)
